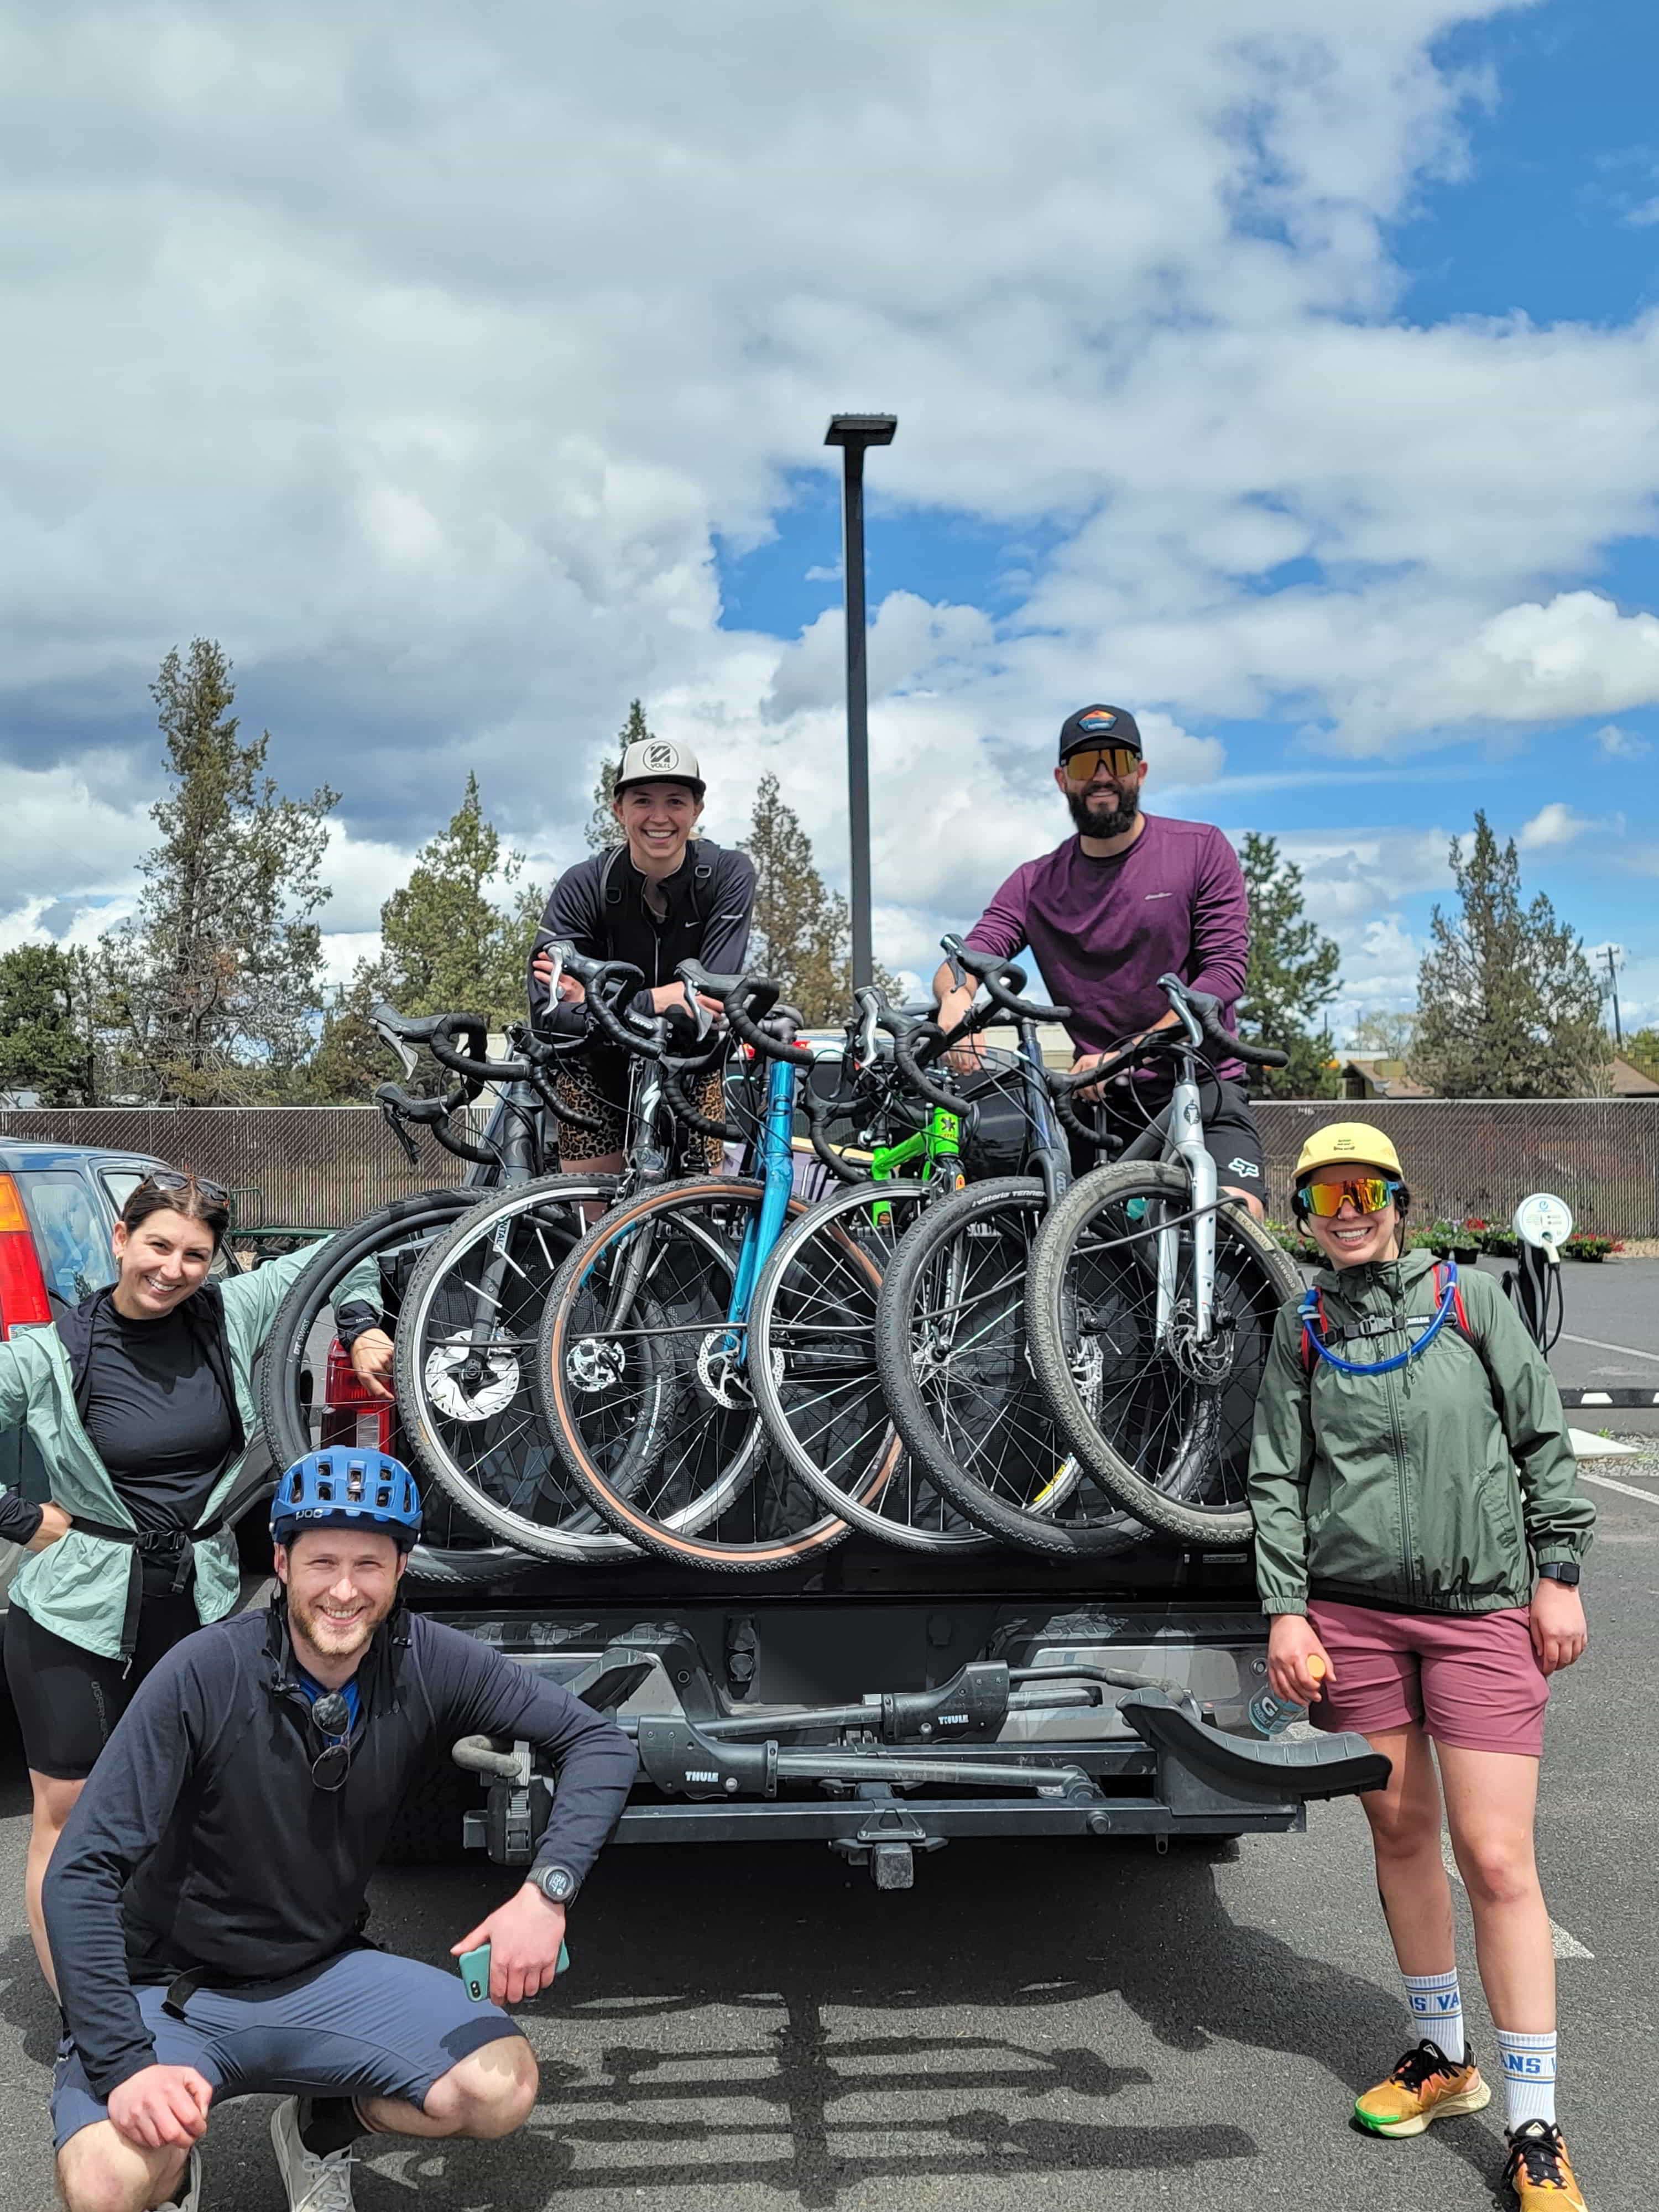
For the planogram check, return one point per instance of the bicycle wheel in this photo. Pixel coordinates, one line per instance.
(646, 1388)
(950, 1343)
(465, 1353)
(297, 1369)
(816, 1379)
(1166, 1422)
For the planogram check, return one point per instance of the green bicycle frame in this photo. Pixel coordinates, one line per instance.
(938, 1148)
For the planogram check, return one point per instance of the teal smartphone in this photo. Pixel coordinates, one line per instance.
(475, 1970)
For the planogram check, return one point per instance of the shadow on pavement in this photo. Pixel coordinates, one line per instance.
(1002, 1934)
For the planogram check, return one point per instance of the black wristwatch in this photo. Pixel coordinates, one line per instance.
(1559, 1570)
(557, 1883)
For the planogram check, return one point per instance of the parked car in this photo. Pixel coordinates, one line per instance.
(59, 1206)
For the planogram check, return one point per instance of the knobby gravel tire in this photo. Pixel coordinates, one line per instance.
(282, 1412)
(681, 1539)
(822, 1256)
(1242, 1244)
(1018, 1199)
(518, 1426)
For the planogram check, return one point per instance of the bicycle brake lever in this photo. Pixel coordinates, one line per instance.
(406, 1053)
(394, 1122)
(701, 1020)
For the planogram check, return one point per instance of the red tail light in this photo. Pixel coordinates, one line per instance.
(352, 1414)
(23, 1301)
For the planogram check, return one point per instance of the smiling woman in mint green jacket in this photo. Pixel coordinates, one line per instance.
(141, 1406)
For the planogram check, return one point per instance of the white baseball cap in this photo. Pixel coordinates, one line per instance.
(658, 760)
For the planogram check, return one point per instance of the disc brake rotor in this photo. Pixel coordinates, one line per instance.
(468, 1381)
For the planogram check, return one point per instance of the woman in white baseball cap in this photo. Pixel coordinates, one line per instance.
(660, 896)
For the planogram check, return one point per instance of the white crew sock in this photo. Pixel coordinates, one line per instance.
(1528, 2078)
(1437, 2006)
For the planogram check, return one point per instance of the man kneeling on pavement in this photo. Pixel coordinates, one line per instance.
(205, 1902)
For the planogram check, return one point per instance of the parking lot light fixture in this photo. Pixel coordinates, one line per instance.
(853, 434)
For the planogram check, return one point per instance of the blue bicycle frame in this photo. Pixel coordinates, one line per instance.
(777, 1175)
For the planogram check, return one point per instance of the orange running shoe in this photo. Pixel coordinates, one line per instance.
(1539, 2172)
(1424, 2085)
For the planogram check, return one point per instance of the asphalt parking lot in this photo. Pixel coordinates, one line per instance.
(1077, 2025)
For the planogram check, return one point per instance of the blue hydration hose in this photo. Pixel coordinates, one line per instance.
(1310, 1315)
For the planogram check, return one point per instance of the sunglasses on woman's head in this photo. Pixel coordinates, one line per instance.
(1365, 1194)
(1118, 762)
(171, 1179)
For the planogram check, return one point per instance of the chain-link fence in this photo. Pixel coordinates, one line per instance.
(1466, 1156)
(324, 1166)
(318, 1167)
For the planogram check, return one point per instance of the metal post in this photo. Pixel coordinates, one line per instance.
(853, 433)
(1612, 985)
(858, 707)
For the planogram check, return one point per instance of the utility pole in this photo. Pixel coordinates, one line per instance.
(853, 433)
(1610, 953)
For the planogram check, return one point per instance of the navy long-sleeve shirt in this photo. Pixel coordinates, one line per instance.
(201, 1842)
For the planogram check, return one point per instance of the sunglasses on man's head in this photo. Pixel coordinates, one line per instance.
(170, 1179)
(1365, 1194)
(1116, 761)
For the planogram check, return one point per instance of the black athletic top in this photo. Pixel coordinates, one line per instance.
(157, 1417)
(600, 907)
(201, 1843)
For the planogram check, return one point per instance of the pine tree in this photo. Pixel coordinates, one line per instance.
(446, 946)
(213, 982)
(603, 828)
(1510, 1008)
(1292, 977)
(801, 936)
(49, 1046)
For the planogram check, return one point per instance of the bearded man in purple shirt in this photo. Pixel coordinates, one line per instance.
(1131, 897)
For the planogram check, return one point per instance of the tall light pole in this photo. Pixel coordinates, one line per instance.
(852, 433)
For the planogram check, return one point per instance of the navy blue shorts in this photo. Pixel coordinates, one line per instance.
(365, 2023)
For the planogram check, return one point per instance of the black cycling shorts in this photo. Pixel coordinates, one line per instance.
(69, 1699)
(1230, 1137)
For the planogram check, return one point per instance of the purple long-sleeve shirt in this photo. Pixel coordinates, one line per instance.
(1103, 930)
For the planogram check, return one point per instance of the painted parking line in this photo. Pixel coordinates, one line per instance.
(1564, 1945)
(1628, 1489)
(1630, 1351)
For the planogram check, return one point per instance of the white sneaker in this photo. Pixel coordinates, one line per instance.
(313, 2184)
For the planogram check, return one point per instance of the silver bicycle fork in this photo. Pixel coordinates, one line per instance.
(1184, 1141)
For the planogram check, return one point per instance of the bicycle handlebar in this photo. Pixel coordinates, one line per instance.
(673, 1076)
(469, 1061)
(1205, 1010)
(433, 1113)
(1004, 982)
(757, 1002)
(815, 1109)
(905, 1042)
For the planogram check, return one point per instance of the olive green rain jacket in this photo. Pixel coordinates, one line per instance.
(85, 1587)
(1440, 1488)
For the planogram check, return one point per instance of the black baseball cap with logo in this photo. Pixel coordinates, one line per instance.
(1098, 725)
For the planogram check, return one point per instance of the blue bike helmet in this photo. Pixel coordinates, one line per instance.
(345, 1488)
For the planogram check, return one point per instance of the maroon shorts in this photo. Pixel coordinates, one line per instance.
(1472, 1680)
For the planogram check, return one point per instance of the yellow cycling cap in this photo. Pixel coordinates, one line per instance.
(1349, 1144)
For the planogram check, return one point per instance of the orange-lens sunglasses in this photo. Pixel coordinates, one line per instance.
(1369, 1194)
(1117, 760)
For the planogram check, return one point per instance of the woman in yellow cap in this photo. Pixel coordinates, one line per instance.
(1420, 1533)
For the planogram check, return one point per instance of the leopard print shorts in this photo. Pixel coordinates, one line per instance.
(601, 1087)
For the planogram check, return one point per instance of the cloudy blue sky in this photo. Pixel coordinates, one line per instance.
(1287, 369)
